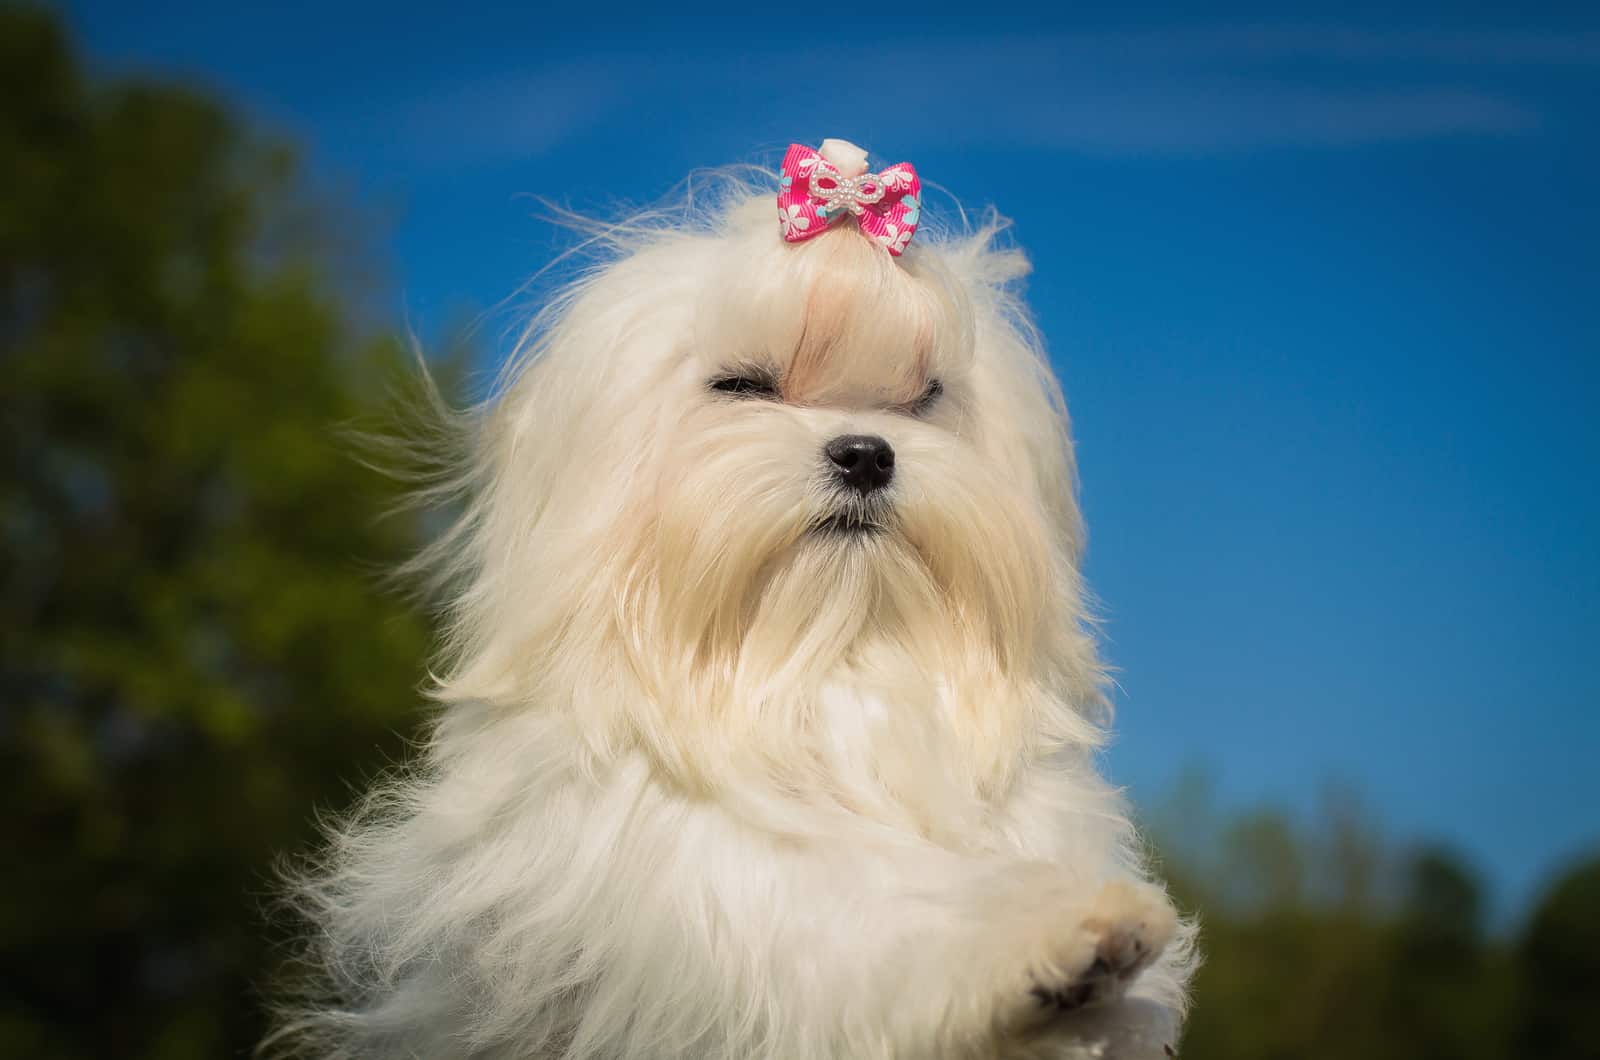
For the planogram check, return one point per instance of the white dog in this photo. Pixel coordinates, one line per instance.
(771, 710)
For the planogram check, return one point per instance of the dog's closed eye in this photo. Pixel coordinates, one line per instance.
(745, 383)
(930, 396)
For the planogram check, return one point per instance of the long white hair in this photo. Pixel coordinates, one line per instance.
(669, 699)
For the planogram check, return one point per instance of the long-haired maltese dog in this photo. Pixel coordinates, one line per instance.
(771, 709)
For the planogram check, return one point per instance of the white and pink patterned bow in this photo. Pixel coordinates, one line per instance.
(820, 187)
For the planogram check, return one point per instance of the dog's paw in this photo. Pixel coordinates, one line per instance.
(1128, 927)
(1093, 958)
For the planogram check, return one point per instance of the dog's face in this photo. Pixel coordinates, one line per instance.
(738, 472)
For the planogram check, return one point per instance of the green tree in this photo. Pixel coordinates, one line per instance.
(1321, 944)
(195, 653)
(1448, 997)
(1558, 964)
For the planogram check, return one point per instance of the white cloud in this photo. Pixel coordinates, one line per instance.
(1195, 91)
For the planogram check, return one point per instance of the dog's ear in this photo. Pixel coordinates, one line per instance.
(1012, 378)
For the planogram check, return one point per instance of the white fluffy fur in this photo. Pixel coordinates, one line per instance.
(708, 784)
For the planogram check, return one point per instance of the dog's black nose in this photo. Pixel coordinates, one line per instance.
(861, 461)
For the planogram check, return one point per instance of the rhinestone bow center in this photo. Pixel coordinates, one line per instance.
(839, 192)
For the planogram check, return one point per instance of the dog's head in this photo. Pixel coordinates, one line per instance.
(733, 473)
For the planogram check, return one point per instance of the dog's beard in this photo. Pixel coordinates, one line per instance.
(755, 590)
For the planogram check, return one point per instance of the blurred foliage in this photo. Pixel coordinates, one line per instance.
(1321, 943)
(1558, 971)
(196, 654)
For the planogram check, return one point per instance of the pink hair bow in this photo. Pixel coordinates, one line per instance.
(820, 187)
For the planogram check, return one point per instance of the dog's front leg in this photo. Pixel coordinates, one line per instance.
(1034, 964)
(874, 946)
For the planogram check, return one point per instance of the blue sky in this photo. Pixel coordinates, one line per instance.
(1323, 291)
